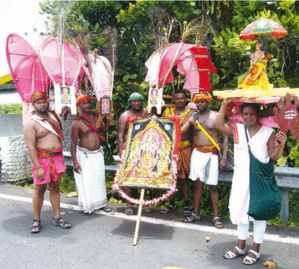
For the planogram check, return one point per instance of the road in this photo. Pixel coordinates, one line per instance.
(105, 240)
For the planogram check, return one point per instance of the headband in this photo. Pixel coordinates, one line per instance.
(36, 96)
(202, 95)
(82, 98)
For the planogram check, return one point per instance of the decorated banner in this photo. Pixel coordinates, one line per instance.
(149, 159)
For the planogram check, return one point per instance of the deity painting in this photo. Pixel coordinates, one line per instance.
(155, 99)
(65, 95)
(149, 154)
(105, 105)
(154, 96)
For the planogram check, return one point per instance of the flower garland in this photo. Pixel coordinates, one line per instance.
(172, 189)
(87, 121)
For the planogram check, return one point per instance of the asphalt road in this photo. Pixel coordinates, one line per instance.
(105, 240)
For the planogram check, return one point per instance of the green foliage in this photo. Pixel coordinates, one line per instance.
(11, 109)
(67, 181)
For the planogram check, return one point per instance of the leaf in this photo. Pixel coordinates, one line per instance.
(282, 161)
(126, 77)
(269, 264)
(133, 76)
(72, 194)
(208, 239)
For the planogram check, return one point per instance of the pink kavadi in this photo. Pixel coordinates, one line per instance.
(192, 61)
(27, 71)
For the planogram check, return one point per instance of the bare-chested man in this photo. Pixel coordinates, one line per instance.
(43, 137)
(135, 109)
(183, 164)
(204, 159)
(88, 158)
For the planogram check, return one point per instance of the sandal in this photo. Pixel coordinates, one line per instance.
(167, 209)
(192, 218)
(218, 224)
(106, 209)
(231, 255)
(35, 228)
(61, 223)
(252, 260)
(148, 209)
(129, 210)
(186, 211)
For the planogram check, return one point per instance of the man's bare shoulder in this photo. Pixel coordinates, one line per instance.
(30, 124)
(30, 128)
(76, 123)
(213, 115)
(124, 115)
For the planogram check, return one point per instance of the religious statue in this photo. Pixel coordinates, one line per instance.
(256, 78)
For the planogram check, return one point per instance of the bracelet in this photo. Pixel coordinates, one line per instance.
(75, 161)
(38, 167)
(221, 113)
(281, 147)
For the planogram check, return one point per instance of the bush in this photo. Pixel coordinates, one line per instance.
(11, 109)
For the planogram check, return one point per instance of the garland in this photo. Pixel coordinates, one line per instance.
(174, 170)
(170, 111)
(87, 121)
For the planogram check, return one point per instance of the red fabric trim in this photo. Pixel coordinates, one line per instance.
(133, 119)
(176, 121)
(236, 135)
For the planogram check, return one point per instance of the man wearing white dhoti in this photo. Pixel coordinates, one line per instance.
(88, 158)
(204, 166)
(261, 140)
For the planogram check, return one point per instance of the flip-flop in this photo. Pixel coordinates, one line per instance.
(252, 260)
(190, 219)
(186, 211)
(148, 209)
(106, 209)
(167, 209)
(35, 228)
(61, 223)
(218, 223)
(129, 210)
(229, 255)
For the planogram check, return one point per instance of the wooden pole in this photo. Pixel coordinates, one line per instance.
(138, 217)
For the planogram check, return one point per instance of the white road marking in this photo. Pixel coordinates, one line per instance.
(190, 226)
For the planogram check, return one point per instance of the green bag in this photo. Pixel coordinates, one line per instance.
(265, 198)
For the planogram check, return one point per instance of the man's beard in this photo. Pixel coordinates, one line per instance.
(41, 112)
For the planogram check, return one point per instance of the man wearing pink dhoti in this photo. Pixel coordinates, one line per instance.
(43, 137)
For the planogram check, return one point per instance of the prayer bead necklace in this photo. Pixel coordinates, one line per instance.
(204, 118)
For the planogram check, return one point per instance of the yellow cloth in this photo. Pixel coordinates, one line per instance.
(256, 75)
(170, 111)
(184, 144)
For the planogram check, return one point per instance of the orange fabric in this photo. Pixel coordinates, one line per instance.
(184, 162)
(36, 96)
(44, 154)
(206, 149)
(82, 98)
(202, 95)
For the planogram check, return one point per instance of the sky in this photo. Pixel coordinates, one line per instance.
(17, 16)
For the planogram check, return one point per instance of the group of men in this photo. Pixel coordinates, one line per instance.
(201, 164)
(44, 138)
